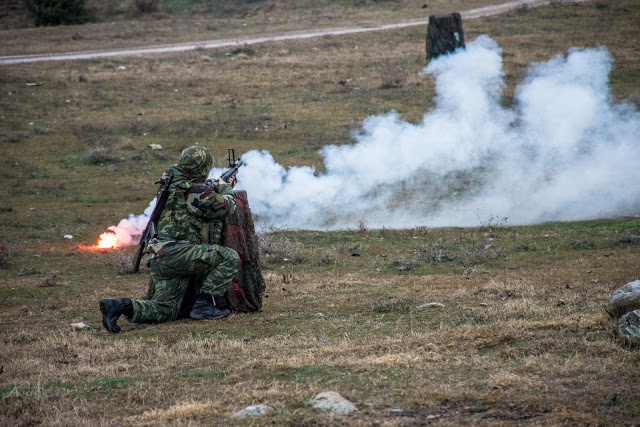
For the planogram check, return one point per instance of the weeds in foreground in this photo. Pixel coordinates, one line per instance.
(278, 250)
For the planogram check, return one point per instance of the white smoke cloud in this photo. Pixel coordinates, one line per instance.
(565, 151)
(129, 230)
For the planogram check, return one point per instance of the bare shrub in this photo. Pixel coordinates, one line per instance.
(328, 257)
(353, 249)
(631, 237)
(100, 154)
(418, 231)
(405, 264)
(492, 223)
(244, 50)
(586, 243)
(440, 252)
(49, 281)
(146, 6)
(57, 12)
(481, 251)
(274, 250)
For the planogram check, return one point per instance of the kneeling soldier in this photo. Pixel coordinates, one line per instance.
(179, 251)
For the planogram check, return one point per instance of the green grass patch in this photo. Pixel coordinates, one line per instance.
(202, 374)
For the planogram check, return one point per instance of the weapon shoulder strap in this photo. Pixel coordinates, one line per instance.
(160, 205)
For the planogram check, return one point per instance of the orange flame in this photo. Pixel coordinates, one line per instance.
(107, 240)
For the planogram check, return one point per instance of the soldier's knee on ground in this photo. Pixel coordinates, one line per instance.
(230, 258)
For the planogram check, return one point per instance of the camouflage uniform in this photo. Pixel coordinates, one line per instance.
(179, 251)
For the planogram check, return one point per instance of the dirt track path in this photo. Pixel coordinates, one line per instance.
(213, 44)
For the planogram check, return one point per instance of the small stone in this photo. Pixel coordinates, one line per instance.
(629, 328)
(333, 402)
(80, 326)
(431, 304)
(253, 411)
(625, 299)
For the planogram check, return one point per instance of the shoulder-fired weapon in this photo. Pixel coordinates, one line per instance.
(151, 231)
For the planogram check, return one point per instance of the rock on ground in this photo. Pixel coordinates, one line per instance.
(334, 402)
(625, 299)
(252, 411)
(629, 328)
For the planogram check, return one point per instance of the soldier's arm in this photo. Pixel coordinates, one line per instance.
(204, 202)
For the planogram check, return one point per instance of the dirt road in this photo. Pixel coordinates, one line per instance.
(213, 44)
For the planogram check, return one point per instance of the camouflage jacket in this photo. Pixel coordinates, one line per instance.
(192, 209)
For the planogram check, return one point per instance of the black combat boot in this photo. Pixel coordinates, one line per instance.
(205, 308)
(112, 309)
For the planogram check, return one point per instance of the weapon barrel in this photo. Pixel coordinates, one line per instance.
(136, 259)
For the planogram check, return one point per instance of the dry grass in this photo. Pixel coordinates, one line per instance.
(520, 357)
(202, 25)
(521, 338)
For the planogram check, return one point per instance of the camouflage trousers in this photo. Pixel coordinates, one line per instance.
(171, 273)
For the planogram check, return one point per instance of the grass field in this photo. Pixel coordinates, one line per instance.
(522, 337)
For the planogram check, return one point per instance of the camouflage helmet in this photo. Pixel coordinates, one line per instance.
(196, 161)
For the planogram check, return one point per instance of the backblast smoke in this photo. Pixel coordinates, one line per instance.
(565, 150)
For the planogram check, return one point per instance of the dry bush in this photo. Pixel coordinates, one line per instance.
(328, 256)
(146, 6)
(631, 237)
(586, 243)
(405, 264)
(278, 250)
(440, 252)
(49, 281)
(244, 50)
(480, 251)
(99, 155)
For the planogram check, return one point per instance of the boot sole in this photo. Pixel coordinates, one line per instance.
(210, 318)
(103, 310)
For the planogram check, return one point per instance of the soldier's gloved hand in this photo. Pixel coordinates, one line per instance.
(232, 181)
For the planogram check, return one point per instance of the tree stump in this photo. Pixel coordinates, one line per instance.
(444, 34)
(246, 292)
